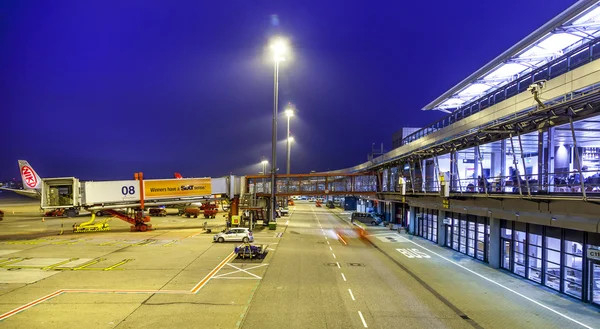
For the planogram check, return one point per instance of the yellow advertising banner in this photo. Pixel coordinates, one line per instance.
(173, 188)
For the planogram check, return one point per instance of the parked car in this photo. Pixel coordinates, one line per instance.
(366, 218)
(234, 234)
(1, 215)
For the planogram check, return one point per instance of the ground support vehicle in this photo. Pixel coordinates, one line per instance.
(210, 210)
(159, 212)
(92, 226)
(284, 211)
(55, 212)
(318, 203)
(250, 251)
(191, 212)
(330, 205)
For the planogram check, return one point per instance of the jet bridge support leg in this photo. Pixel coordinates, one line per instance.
(138, 221)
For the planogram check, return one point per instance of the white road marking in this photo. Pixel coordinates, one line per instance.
(413, 253)
(328, 242)
(501, 285)
(343, 277)
(333, 255)
(338, 264)
(363, 319)
(330, 248)
(351, 295)
(326, 238)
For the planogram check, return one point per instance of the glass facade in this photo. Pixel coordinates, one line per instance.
(552, 256)
(468, 234)
(427, 221)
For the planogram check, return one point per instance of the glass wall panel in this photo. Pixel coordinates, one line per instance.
(535, 256)
(553, 262)
(471, 238)
(573, 268)
(519, 253)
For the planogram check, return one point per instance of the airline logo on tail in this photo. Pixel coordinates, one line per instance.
(31, 180)
(29, 177)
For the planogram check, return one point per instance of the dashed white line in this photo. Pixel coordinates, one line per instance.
(343, 277)
(338, 264)
(330, 248)
(363, 319)
(351, 295)
(328, 242)
(333, 255)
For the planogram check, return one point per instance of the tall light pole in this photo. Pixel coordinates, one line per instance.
(279, 48)
(264, 164)
(289, 112)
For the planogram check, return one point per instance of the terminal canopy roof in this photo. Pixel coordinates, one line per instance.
(574, 27)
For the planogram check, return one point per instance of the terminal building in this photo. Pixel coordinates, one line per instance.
(511, 175)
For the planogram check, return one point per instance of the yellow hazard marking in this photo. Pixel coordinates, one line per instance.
(92, 262)
(47, 268)
(26, 241)
(117, 265)
(69, 242)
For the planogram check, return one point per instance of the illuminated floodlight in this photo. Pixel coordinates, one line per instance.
(280, 48)
(289, 112)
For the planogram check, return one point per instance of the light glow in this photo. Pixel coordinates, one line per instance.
(280, 48)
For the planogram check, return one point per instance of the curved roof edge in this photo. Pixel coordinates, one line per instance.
(557, 21)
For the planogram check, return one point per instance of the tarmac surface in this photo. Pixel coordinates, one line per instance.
(318, 273)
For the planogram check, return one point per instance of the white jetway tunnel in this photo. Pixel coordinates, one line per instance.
(71, 194)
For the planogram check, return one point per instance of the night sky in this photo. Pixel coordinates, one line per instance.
(102, 89)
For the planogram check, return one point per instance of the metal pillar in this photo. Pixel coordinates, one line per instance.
(480, 160)
(578, 160)
(523, 162)
(441, 228)
(438, 172)
(412, 220)
(457, 171)
(502, 164)
(423, 182)
(515, 162)
(494, 259)
(550, 160)
(412, 176)
(274, 141)
(288, 147)
(540, 163)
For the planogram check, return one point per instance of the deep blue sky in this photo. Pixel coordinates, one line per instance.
(102, 89)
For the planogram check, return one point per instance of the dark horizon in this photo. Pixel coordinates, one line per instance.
(100, 90)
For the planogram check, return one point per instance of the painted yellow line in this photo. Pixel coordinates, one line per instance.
(212, 273)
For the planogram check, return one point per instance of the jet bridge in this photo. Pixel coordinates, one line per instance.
(71, 194)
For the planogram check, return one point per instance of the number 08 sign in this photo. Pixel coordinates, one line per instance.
(172, 188)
